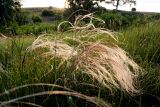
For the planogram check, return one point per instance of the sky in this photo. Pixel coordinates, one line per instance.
(142, 5)
(43, 3)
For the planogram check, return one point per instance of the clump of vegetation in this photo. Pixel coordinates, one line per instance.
(21, 18)
(153, 17)
(36, 29)
(36, 19)
(8, 9)
(48, 13)
(82, 60)
(119, 20)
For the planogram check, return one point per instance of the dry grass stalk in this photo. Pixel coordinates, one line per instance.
(26, 104)
(3, 36)
(64, 22)
(69, 92)
(96, 101)
(2, 70)
(89, 25)
(88, 16)
(33, 85)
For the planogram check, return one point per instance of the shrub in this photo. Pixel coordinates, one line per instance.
(117, 20)
(22, 18)
(36, 19)
(47, 13)
(133, 9)
(114, 21)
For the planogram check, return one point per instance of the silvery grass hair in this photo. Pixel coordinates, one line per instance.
(107, 64)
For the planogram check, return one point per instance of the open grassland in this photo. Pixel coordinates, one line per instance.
(82, 68)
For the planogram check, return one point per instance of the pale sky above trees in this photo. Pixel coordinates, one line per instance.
(142, 5)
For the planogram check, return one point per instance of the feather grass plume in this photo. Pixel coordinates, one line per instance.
(108, 64)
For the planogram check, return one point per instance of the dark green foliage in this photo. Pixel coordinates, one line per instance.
(81, 4)
(29, 29)
(132, 15)
(51, 15)
(10, 30)
(36, 29)
(21, 18)
(133, 9)
(118, 20)
(8, 8)
(36, 19)
(79, 7)
(154, 17)
(117, 3)
(48, 13)
(114, 21)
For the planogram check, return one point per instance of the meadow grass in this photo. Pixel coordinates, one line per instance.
(84, 68)
(62, 60)
(142, 44)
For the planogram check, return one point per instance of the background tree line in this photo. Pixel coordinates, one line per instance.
(18, 20)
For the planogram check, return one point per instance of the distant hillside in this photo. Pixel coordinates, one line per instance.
(38, 10)
(34, 11)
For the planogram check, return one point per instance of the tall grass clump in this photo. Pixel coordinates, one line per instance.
(108, 65)
(81, 67)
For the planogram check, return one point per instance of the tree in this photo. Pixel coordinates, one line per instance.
(133, 9)
(77, 7)
(48, 13)
(88, 6)
(82, 4)
(118, 3)
(8, 9)
(36, 19)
